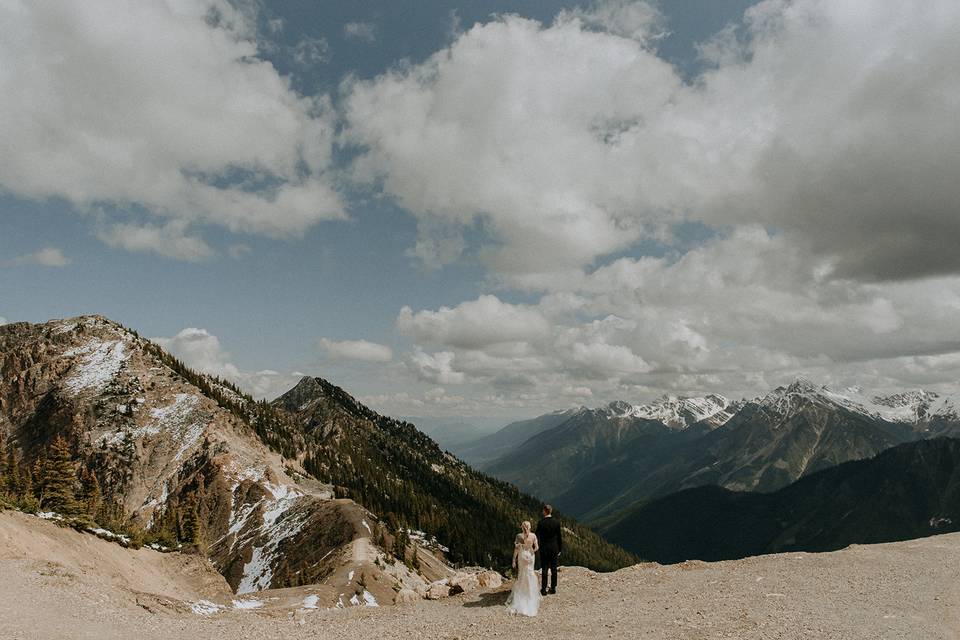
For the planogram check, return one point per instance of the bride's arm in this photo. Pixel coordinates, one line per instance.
(536, 544)
(516, 550)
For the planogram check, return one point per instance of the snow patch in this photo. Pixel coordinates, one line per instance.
(109, 535)
(258, 573)
(101, 363)
(366, 526)
(310, 602)
(178, 419)
(368, 600)
(205, 607)
(247, 604)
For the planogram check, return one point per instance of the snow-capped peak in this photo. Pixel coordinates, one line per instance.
(674, 411)
(907, 407)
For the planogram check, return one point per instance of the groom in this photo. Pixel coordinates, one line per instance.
(551, 544)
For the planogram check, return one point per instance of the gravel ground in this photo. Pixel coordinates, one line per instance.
(900, 590)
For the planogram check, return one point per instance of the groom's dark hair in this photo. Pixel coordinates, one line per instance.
(547, 509)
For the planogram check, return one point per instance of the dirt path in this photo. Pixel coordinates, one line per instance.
(903, 590)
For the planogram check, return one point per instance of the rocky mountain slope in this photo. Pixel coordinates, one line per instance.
(173, 450)
(609, 459)
(908, 491)
(900, 590)
(398, 472)
(276, 495)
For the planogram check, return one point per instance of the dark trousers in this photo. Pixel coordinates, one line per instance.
(548, 563)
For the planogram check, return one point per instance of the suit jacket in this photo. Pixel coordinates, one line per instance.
(550, 536)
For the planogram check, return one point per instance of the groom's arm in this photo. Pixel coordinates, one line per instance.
(559, 537)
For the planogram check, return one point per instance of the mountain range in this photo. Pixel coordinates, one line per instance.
(312, 488)
(598, 462)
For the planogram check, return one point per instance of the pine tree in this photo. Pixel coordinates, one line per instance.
(400, 540)
(191, 529)
(38, 481)
(59, 479)
(90, 497)
(3, 461)
(13, 473)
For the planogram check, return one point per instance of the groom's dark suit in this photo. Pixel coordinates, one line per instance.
(551, 544)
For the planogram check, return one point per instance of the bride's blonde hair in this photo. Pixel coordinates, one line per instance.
(525, 525)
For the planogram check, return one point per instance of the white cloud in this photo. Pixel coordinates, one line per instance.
(831, 122)
(46, 257)
(362, 31)
(161, 108)
(481, 322)
(356, 350)
(3, 320)
(736, 315)
(201, 350)
(311, 51)
(634, 19)
(435, 367)
(168, 240)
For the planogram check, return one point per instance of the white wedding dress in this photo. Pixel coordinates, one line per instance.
(525, 597)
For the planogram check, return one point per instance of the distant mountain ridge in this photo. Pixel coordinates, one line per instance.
(908, 491)
(604, 460)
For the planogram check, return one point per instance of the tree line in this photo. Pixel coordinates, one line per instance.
(56, 481)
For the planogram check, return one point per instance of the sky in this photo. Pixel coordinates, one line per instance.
(493, 208)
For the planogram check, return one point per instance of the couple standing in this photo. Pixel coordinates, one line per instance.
(548, 539)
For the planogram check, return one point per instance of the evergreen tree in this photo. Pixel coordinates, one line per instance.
(90, 497)
(191, 529)
(38, 466)
(59, 479)
(3, 461)
(13, 473)
(400, 540)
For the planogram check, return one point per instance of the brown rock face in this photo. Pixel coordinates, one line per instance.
(155, 433)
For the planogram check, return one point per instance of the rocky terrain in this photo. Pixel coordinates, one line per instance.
(905, 590)
(167, 445)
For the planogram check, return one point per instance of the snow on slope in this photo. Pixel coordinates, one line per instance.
(905, 407)
(674, 411)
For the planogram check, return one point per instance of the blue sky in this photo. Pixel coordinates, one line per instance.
(639, 193)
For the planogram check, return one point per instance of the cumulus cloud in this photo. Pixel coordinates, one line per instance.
(831, 122)
(362, 31)
(201, 350)
(168, 240)
(736, 315)
(436, 367)
(481, 322)
(3, 320)
(634, 19)
(160, 109)
(46, 257)
(361, 350)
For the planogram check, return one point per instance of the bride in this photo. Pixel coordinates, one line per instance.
(525, 596)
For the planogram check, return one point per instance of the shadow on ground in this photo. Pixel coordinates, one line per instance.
(494, 599)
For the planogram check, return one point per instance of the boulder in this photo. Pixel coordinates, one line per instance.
(464, 582)
(406, 596)
(438, 589)
(489, 579)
